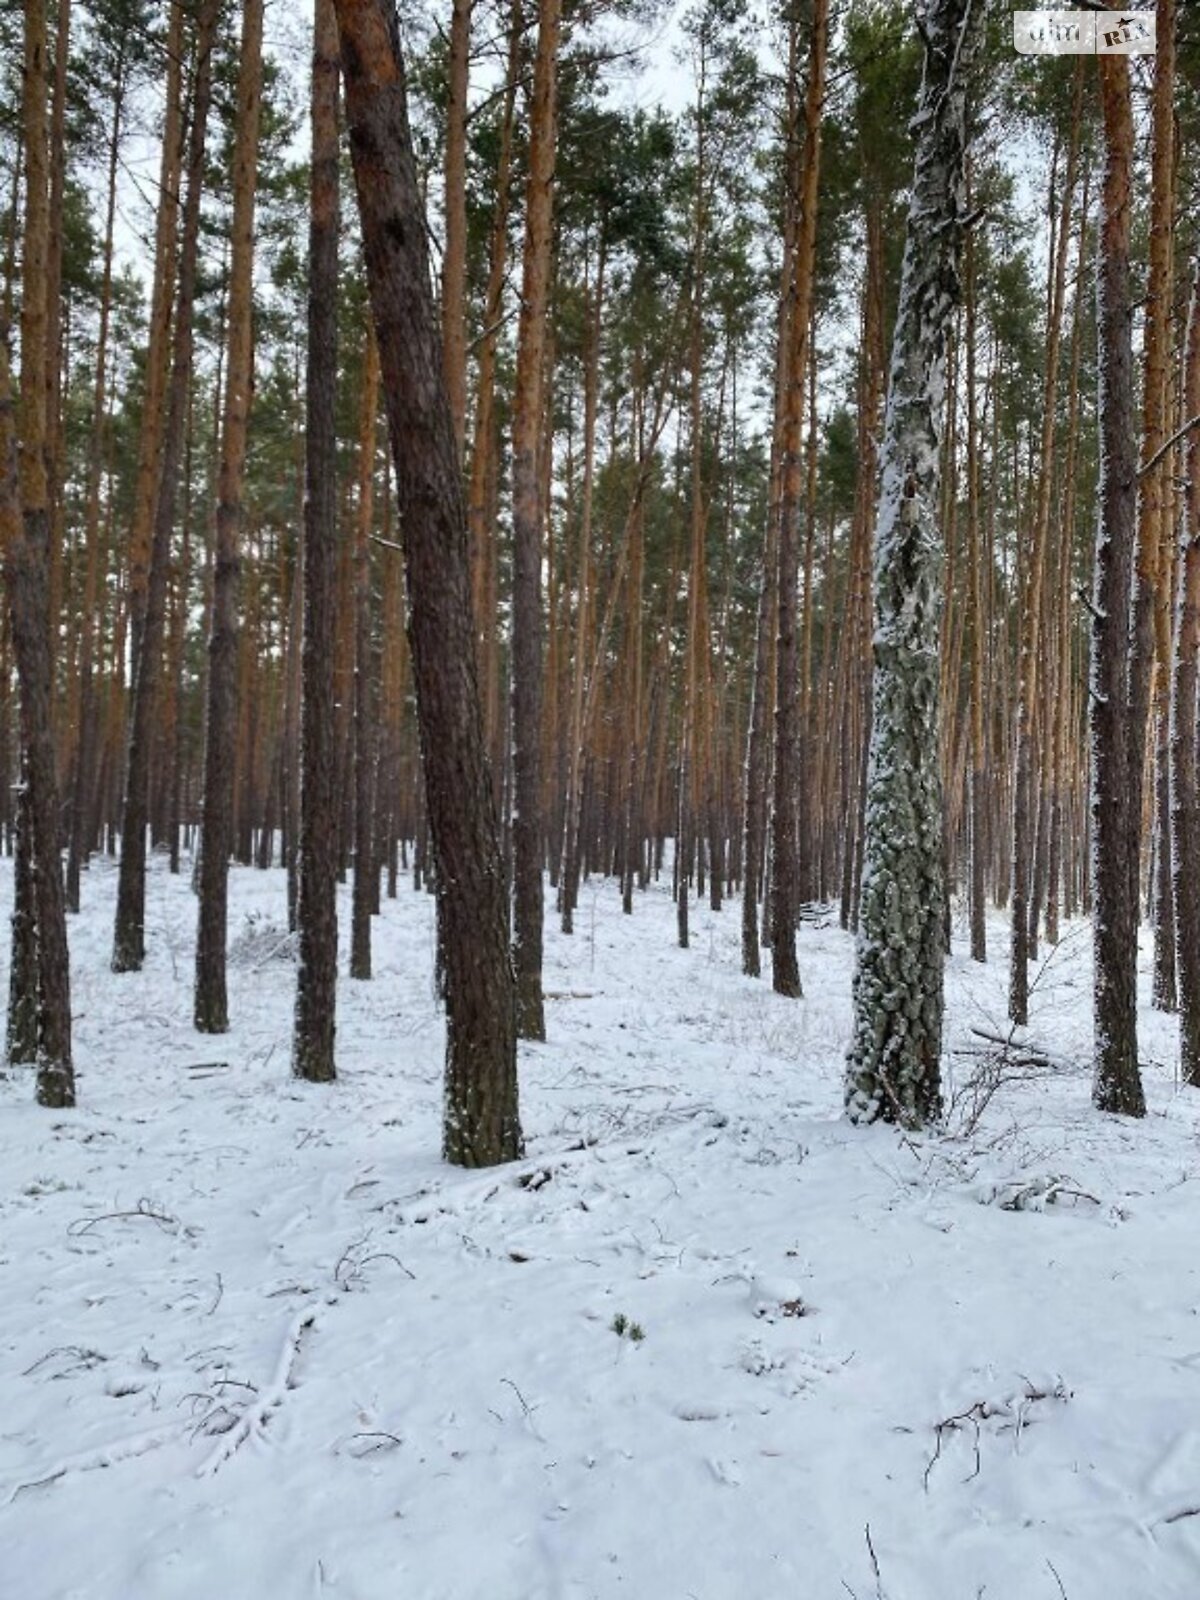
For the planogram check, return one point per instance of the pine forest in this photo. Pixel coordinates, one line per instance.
(599, 800)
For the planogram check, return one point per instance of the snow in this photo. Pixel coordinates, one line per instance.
(256, 1340)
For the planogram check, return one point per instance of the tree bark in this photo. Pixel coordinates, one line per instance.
(129, 932)
(158, 349)
(979, 622)
(785, 889)
(1185, 787)
(1025, 798)
(527, 513)
(365, 866)
(1155, 507)
(211, 1010)
(83, 688)
(26, 571)
(481, 1124)
(1116, 820)
(454, 259)
(316, 904)
(893, 1071)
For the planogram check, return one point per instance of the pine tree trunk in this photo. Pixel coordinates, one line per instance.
(129, 932)
(1061, 711)
(454, 258)
(316, 902)
(26, 523)
(527, 513)
(1115, 813)
(482, 524)
(893, 1069)
(1025, 798)
(1155, 508)
(481, 1122)
(785, 888)
(365, 865)
(211, 1008)
(84, 709)
(1185, 786)
(158, 349)
(978, 616)
(55, 340)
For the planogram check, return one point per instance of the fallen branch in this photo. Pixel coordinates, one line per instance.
(1062, 1588)
(255, 1417)
(1181, 1514)
(105, 1456)
(144, 1211)
(1010, 1411)
(84, 1357)
(874, 1564)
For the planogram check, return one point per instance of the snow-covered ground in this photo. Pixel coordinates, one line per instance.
(258, 1343)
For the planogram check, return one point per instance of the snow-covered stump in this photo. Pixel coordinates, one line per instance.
(893, 1064)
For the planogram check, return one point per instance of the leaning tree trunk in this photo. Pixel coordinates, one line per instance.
(481, 1124)
(1116, 821)
(316, 898)
(893, 1070)
(211, 1008)
(26, 523)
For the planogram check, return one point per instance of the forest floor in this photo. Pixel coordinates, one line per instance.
(258, 1343)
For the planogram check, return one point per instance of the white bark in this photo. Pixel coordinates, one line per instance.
(893, 1064)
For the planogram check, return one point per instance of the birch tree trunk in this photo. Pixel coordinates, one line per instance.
(893, 1070)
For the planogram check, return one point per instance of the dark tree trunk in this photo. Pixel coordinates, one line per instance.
(316, 903)
(366, 874)
(1185, 790)
(1115, 822)
(481, 1122)
(21, 1040)
(25, 529)
(785, 816)
(211, 1010)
